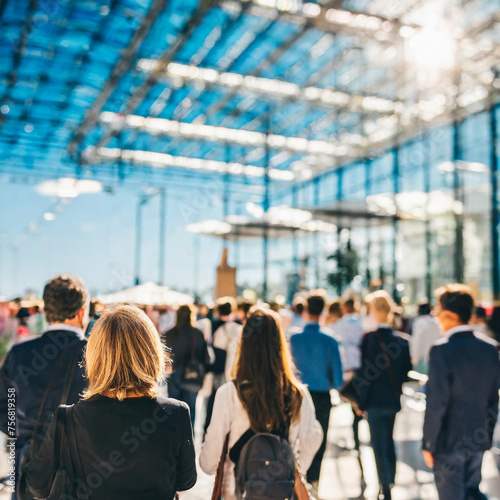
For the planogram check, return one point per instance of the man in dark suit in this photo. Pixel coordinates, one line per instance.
(40, 374)
(462, 398)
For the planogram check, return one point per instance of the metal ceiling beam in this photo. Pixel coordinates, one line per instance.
(322, 18)
(121, 67)
(33, 6)
(139, 95)
(232, 20)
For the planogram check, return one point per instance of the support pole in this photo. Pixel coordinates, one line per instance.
(395, 174)
(428, 235)
(459, 223)
(265, 245)
(163, 224)
(138, 241)
(317, 275)
(495, 207)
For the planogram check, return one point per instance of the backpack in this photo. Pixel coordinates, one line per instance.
(265, 469)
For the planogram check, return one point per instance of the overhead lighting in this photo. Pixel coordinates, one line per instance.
(269, 86)
(49, 216)
(67, 187)
(222, 134)
(216, 227)
(432, 48)
(162, 160)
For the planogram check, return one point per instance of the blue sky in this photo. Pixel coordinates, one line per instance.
(94, 236)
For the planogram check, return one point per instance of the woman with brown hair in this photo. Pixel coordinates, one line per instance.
(124, 440)
(190, 358)
(263, 397)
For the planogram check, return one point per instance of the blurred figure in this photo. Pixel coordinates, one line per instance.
(479, 322)
(385, 363)
(333, 315)
(225, 338)
(317, 358)
(298, 312)
(349, 333)
(131, 443)
(36, 321)
(261, 398)
(462, 398)
(190, 359)
(166, 321)
(494, 323)
(46, 371)
(425, 332)
(203, 322)
(244, 307)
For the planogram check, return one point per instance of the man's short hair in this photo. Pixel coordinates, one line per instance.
(458, 299)
(480, 312)
(349, 304)
(225, 306)
(63, 297)
(424, 307)
(315, 304)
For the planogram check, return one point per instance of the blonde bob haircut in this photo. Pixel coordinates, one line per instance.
(124, 355)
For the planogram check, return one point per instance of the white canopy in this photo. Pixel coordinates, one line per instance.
(148, 294)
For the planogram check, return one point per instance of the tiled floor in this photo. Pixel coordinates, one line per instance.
(340, 476)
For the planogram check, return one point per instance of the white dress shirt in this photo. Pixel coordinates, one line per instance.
(348, 331)
(305, 435)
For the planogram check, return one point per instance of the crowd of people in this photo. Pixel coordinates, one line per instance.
(105, 406)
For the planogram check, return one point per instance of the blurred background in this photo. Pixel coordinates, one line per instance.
(324, 144)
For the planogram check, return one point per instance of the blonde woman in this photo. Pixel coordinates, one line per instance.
(385, 363)
(126, 442)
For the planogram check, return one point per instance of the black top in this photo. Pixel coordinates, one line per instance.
(462, 394)
(28, 368)
(139, 448)
(381, 375)
(180, 343)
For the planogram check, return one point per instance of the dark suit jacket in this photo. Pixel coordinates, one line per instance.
(373, 383)
(27, 368)
(462, 394)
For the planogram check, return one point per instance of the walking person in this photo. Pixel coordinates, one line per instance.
(425, 331)
(385, 363)
(317, 358)
(226, 333)
(45, 371)
(349, 332)
(125, 441)
(263, 397)
(462, 398)
(190, 358)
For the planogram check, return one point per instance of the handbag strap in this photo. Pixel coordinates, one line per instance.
(219, 475)
(74, 454)
(390, 373)
(59, 437)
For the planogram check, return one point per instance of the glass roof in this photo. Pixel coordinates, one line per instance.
(94, 87)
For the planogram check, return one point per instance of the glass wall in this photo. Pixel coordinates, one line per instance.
(442, 200)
